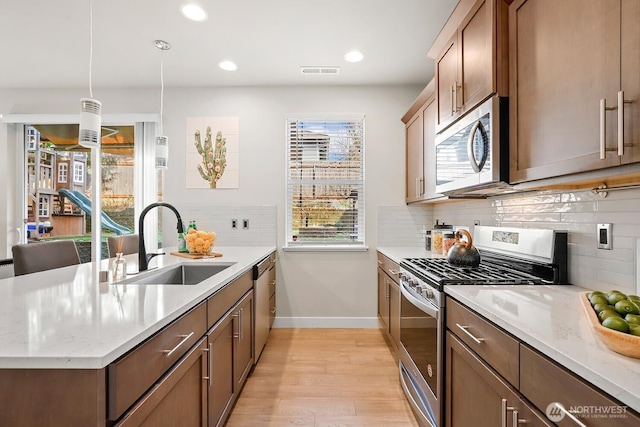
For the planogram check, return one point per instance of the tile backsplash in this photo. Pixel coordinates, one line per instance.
(262, 223)
(577, 212)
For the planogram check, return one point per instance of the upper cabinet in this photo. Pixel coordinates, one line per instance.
(420, 147)
(473, 63)
(574, 86)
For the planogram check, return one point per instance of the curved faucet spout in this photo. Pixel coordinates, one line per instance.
(143, 258)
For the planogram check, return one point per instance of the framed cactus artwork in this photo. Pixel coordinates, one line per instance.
(212, 153)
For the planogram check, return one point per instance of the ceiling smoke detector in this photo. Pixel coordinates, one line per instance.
(320, 70)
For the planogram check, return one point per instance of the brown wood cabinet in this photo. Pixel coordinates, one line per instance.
(178, 399)
(544, 382)
(477, 397)
(473, 65)
(130, 376)
(490, 375)
(564, 106)
(389, 299)
(420, 148)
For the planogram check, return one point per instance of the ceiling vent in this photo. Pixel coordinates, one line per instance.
(320, 70)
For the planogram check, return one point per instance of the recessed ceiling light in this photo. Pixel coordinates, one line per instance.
(354, 56)
(193, 12)
(228, 66)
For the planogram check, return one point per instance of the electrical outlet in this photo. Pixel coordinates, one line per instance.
(476, 222)
(245, 224)
(604, 236)
(234, 223)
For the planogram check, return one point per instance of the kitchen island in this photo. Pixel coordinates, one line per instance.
(71, 344)
(551, 320)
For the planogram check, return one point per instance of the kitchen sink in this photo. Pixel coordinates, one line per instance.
(185, 274)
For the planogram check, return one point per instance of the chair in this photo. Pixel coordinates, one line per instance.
(41, 256)
(129, 244)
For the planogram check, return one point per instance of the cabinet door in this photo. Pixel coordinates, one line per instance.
(476, 55)
(630, 63)
(429, 160)
(394, 311)
(414, 156)
(262, 315)
(221, 392)
(565, 59)
(447, 84)
(178, 399)
(243, 340)
(383, 300)
(476, 396)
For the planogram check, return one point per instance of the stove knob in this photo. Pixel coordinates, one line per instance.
(419, 289)
(413, 282)
(428, 293)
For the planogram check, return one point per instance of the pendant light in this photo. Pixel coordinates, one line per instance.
(162, 141)
(90, 108)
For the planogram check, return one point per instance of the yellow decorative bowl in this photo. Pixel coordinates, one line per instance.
(200, 242)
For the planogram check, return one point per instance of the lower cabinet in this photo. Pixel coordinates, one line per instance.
(230, 359)
(476, 396)
(389, 299)
(493, 379)
(179, 398)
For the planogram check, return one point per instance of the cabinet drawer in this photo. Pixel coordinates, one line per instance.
(542, 382)
(495, 346)
(133, 374)
(227, 297)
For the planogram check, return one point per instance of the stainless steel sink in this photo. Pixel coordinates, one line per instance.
(185, 274)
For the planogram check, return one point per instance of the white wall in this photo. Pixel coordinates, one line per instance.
(314, 289)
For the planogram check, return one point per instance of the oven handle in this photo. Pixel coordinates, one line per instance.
(412, 401)
(431, 311)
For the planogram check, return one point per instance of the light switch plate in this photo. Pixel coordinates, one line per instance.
(603, 235)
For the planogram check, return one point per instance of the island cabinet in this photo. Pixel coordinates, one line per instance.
(473, 64)
(389, 300)
(272, 292)
(574, 107)
(420, 148)
(230, 346)
(494, 379)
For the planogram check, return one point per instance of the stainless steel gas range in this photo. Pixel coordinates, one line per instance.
(510, 256)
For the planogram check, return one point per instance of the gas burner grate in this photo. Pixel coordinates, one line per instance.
(438, 270)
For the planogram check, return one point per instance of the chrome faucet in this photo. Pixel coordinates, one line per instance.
(143, 257)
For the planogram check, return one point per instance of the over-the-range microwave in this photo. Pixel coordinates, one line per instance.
(472, 155)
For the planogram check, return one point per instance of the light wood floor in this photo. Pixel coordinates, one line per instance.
(322, 378)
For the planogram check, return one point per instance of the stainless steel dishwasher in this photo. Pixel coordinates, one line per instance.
(262, 293)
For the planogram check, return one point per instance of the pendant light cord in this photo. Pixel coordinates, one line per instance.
(90, 45)
(161, 86)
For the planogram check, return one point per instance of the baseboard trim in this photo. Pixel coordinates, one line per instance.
(326, 322)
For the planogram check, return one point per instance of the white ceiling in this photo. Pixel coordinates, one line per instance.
(45, 43)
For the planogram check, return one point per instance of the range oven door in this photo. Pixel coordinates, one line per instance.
(421, 341)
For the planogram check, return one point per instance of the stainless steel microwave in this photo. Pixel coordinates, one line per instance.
(472, 155)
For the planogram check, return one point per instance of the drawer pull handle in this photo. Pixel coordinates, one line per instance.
(393, 272)
(505, 409)
(464, 329)
(185, 338)
(515, 421)
(273, 311)
(273, 283)
(569, 415)
(380, 262)
(210, 351)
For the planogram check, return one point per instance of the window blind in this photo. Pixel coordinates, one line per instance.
(325, 182)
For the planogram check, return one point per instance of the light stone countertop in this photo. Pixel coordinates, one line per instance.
(550, 319)
(62, 319)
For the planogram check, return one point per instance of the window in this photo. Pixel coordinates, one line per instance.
(63, 171)
(78, 172)
(325, 182)
(43, 206)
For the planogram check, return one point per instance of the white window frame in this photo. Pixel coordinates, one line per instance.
(63, 172)
(78, 172)
(294, 127)
(44, 206)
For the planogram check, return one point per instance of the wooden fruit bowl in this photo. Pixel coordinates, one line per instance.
(622, 343)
